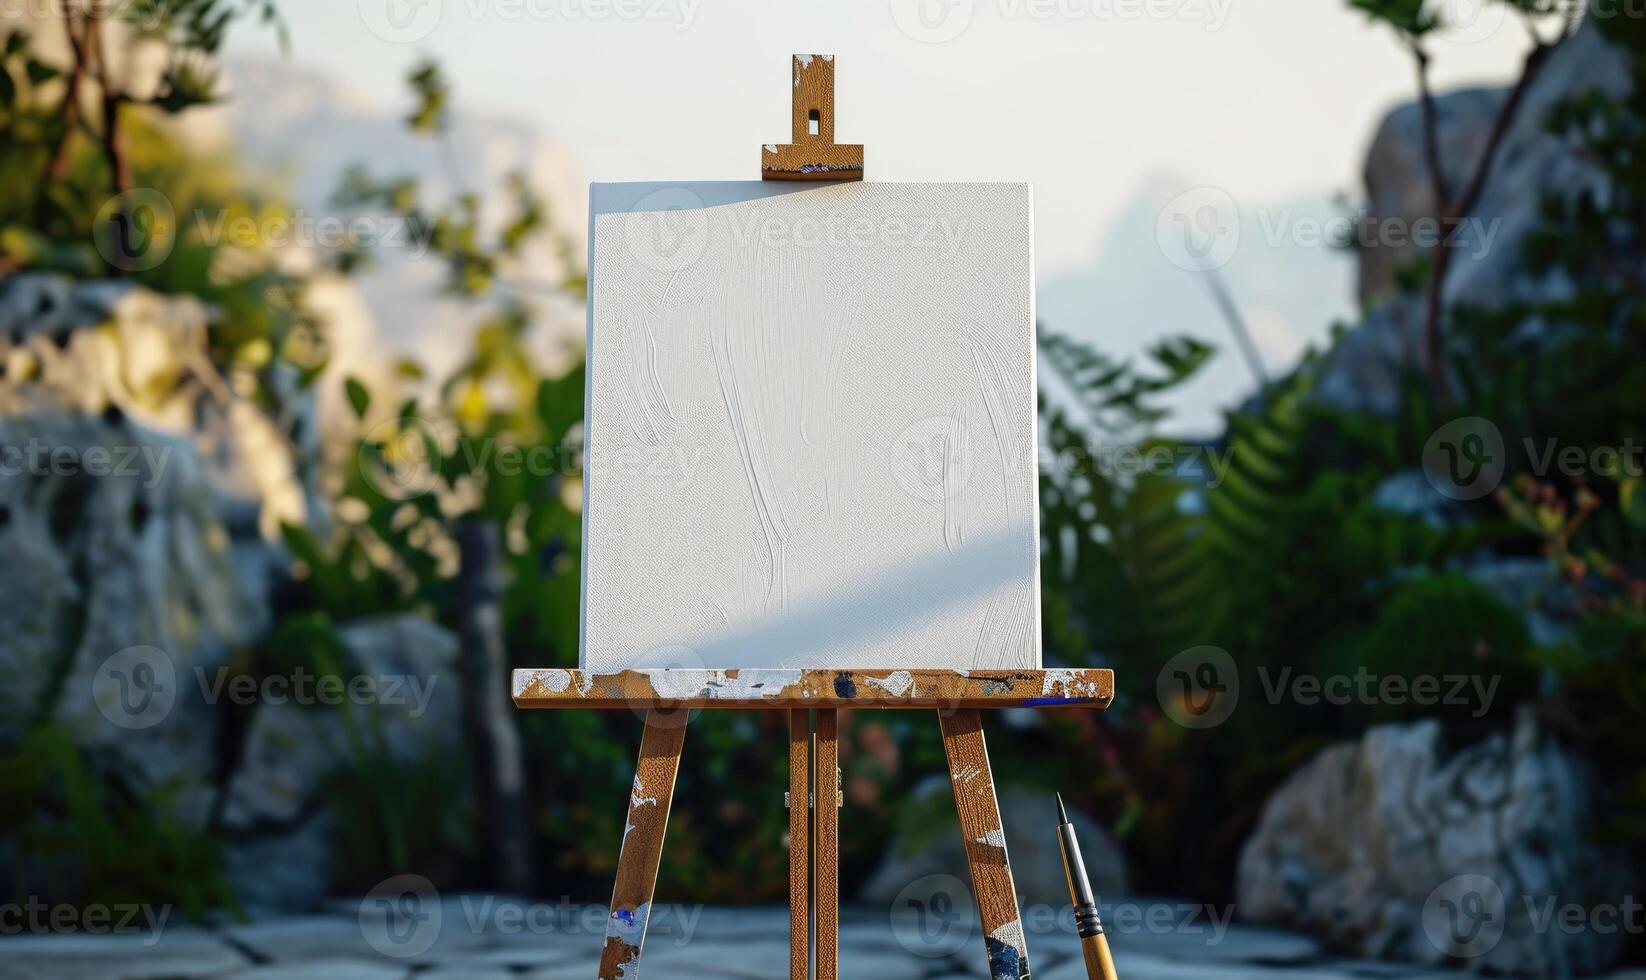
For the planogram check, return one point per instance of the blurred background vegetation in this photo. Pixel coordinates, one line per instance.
(1292, 560)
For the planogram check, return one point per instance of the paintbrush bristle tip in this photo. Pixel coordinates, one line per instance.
(1062, 814)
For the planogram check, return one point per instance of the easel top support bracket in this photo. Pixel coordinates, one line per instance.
(813, 154)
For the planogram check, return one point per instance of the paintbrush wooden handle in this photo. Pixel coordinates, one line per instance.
(1099, 964)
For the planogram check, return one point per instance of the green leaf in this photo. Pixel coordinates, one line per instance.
(359, 397)
(39, 72)
(1632, 498)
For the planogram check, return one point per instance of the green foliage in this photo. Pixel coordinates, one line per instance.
(67, 818)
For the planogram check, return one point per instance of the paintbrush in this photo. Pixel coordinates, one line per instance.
(1094, 945)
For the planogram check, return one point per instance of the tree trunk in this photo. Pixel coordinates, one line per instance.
(488, 712)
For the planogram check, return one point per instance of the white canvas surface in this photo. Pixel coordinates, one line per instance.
(811, 434)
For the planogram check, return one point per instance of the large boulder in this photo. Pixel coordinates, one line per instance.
(1399, 847)
(87, 347)
(139, 495)
(1363, 369)
(1398, 183)
(274, 808)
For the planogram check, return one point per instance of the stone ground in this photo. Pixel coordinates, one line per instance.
(483, 937)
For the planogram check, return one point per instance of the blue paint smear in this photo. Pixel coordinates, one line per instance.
(844, 687)
(1042, 702)
(627, 915)
(1005, 962)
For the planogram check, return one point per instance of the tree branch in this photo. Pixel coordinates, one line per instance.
(113, 139)
(1431, 128)
(1455, 211)
(69, 111)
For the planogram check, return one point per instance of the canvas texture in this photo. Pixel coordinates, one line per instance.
(811, 436)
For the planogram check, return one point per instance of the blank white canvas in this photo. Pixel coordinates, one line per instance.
(810, 434)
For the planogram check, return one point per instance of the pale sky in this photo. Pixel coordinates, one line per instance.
(1088, 99)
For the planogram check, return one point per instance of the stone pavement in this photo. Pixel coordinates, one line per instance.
(485, 937)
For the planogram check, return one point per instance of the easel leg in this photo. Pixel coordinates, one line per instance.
(800, 844)
(826, 870)
(642, 844)
(985, 841)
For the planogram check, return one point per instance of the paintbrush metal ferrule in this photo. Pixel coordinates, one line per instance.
(1094, 945)
(1074, 870)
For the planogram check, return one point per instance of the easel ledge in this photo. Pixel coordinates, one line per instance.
(767, 689)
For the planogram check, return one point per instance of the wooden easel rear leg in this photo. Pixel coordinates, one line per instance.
(642, 844)
(800, 844)
(985, 840)
(826, 868)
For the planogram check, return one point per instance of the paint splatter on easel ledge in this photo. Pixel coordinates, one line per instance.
(778, 688)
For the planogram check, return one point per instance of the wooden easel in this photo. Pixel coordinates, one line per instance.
(814, 775)
(814, 798)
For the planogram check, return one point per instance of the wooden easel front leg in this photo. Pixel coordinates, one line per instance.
(985, 840)
(642, 843)
(800, 844)
(826, 867)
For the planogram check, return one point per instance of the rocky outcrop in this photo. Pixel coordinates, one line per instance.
(1398, 184)
(273, 807)
(1363, 370)
(139, 496)
(88, 347)
(1397, 846)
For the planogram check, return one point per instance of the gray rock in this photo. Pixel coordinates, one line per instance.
(1398, 184)
(933, 850)
(280, 854)
(1384, 846)
(1529, 164)
(1363, 371)
(1363, 368)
